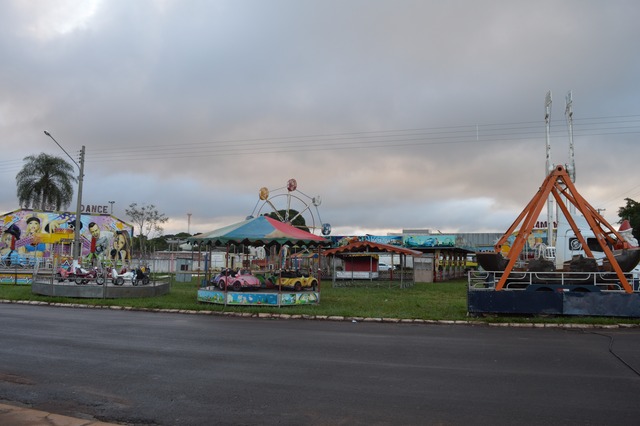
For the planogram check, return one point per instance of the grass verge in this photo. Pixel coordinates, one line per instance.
(433, 301)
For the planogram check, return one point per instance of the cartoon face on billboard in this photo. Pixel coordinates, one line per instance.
(43, 234)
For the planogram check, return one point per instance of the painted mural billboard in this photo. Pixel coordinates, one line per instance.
(429, 241)
(35, 234)
(341, 240)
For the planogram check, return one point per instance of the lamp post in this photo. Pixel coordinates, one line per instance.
(76, 236)
(111, 202)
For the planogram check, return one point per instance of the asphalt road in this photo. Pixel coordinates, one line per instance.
(144, 368)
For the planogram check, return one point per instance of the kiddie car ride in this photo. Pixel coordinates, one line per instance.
(295, 280)
(237, 280)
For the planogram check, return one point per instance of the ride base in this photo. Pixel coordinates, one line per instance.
(552, 293)
(217, 296)
(48, 286)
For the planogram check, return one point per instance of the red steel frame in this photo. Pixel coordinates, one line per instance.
(558, 183)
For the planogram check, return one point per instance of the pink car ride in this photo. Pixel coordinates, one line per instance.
(237, 280)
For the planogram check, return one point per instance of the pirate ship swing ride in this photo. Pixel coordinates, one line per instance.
(586, 272)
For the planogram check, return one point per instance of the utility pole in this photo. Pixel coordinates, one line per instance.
(77, 243)
(79, 207)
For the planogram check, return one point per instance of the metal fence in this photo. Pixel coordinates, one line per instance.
(387, 279)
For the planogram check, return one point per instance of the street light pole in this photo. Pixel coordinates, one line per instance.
(76, 235)
(79, 207)
(111, 202)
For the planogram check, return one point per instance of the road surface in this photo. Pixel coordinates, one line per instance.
(145, 368)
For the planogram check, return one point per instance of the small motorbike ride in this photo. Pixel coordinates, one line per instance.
(65, 273)
(134, 276)
(78, 274)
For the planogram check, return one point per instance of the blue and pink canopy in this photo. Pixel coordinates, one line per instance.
(259, 231)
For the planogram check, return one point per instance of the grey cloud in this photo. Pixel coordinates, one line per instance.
(194, 106)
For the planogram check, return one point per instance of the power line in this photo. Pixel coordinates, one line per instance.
(361, 140)
(462, 134)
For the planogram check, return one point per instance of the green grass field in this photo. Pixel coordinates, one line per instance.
(433, 301)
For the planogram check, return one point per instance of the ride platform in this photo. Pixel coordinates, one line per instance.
(571, 294)
(46, 286)
(215, 295)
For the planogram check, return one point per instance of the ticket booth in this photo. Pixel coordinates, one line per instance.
(184, 267)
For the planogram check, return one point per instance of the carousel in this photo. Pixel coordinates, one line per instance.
(287, 270)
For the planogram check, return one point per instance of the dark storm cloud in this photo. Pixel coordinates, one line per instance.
(399, 114)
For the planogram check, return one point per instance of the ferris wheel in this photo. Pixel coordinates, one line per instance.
(291, 206)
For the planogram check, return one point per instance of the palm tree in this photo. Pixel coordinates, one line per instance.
(45, 183)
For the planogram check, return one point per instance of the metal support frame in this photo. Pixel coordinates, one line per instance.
(558, 184)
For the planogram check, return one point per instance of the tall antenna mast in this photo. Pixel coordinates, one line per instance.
(571, 167)
(547, 121)
(568, 112)
(549, 167)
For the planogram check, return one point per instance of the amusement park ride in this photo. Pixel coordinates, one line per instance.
(291, 205)
(592, 277)
(283, 219)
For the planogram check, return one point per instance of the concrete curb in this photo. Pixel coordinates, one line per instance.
(337, 318)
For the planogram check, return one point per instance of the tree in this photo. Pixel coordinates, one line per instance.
(45, 183)
(631, 212)
(148, 220)
(162, 243)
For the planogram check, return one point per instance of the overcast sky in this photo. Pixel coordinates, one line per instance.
(399, 114)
